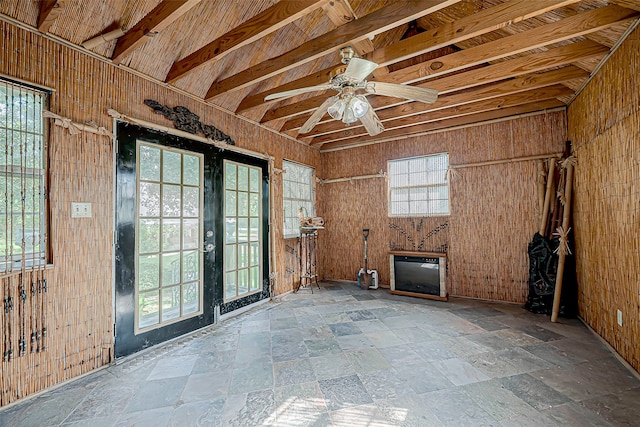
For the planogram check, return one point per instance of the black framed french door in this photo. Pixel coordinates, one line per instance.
(173, 232)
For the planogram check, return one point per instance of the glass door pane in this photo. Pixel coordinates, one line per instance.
(243, 230)
(169, 233)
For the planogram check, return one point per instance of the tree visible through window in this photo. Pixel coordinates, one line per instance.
(22, 177)
(418, 186)
(298, 193)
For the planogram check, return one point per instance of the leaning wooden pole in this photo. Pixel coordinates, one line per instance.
(547, 196)
(563, 232)
(541, 188)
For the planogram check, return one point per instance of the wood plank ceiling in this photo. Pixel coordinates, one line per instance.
(488, 59)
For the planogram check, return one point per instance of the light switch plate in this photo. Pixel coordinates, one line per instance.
(80, 210)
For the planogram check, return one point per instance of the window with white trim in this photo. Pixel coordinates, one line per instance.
(418, 186)
(299, 193)
(22, 176)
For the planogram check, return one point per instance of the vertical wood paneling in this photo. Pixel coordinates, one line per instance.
(80, 305)
(604, 125)
(493, 208)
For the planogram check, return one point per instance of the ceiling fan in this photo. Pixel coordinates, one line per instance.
(349, 106)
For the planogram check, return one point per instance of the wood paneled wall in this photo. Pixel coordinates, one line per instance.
(604, 126)
(493, 208)
(80, 303)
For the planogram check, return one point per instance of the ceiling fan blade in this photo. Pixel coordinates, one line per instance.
(415, 93)
(294, 92)
(317, 115)
(358, 69)
(372, 123)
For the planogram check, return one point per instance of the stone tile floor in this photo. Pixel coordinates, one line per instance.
(349, 357)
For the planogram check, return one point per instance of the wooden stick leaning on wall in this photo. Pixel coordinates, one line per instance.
(547, 196)
(541, 186)
(563, 232)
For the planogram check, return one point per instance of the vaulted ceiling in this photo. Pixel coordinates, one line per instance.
(488, 59)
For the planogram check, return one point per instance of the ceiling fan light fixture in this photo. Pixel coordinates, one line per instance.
(337, 109)
(349, 116)
(359, 105)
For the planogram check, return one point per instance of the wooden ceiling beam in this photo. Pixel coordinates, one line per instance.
(509, 87)
(448, 123)
(465, 28)
(532, 63)
(630, 4)
(340, 12)
(501, 102)
(49, 12)
(266, 22)
(396, 13)
(163, 15)
(476, 24)
(574, 26)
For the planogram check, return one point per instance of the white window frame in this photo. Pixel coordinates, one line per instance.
(13, 259)
(291, 203)
(418, 179)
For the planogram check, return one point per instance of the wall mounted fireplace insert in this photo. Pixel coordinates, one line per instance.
(419, 274)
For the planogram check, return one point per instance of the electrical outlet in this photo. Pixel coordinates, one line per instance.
(619, 318)
(80, 210)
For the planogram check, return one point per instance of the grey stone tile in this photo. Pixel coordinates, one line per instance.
(157, 417)
(319, 331)
(397, 322)
(491, 341)
(322, 347)
(253, 326)
(204, 413)
(252, 355)
(618, 409)
(577, 414)
(301, 405)
(496, 400)
(534, 392)
(92, 422)
(417, 334)
(517, 338)
(368, 360)
(260, 340)
(551, 354)
(462, 346)
(306, 320)
(170, 367)
(401, 355)
(423, 377)
(354, 342)
(359, 315)
(476, 313)
(522, 360)
(157, 394)
(540, 333)
(251, 378)
(453, 407)
(385, 384)
(384, 339)
(490, 324)
(434, 350)
(492, 365)
(373, 325)
(330, 318)
(283, 349)
(293, 372)
(252, 409)
(213, 361)
(342, 329)
(459, 371)
(207, 386)
(363, 297)
(281, 323)
(344, 392)
(103, 402)
(332, 366)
